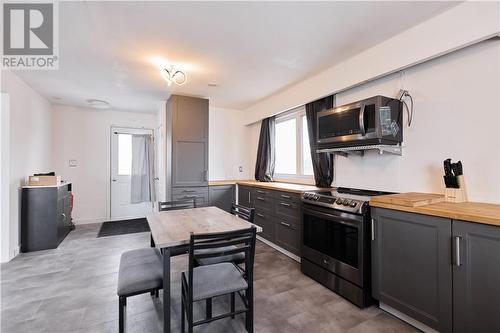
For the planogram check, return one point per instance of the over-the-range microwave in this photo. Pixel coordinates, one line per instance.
(374, 121)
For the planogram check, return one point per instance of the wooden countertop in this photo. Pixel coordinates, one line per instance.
(433, 204)
(285, 187)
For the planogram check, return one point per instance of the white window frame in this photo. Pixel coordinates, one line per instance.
(296, 113)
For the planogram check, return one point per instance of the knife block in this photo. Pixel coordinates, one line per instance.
(456, 195)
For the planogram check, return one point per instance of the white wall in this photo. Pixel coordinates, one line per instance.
(457, 115)
(30, 120)
(84, 134)
(228, 145)
(457, 27)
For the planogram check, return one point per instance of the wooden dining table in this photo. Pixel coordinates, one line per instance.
(173, 228)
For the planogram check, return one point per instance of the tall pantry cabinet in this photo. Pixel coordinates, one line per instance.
(186, 147)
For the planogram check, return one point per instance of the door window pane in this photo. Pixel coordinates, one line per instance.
(307, 168)
(286, 152)
(124, 154)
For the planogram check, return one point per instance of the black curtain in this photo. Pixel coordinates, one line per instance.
(264, 167)
(322, 163)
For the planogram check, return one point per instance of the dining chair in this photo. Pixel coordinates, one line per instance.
(245, 213)
(164, 206)
(140, 271)
(224, 278)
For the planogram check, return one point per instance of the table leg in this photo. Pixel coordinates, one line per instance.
(166, 290)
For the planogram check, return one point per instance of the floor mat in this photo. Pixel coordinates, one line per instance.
(122, 227)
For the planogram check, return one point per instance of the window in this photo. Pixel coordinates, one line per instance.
(293, 155)
(124, 154)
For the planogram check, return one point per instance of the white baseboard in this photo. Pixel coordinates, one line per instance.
(406, 318)
(282, 250)
(12, 254)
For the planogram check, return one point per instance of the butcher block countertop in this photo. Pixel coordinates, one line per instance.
(433, 204)
(285, 187)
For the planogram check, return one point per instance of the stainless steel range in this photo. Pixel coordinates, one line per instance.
(336, 242)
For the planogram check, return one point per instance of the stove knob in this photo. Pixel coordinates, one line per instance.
(339, 201)
(316, 197)
(346, 202)
(353, 204)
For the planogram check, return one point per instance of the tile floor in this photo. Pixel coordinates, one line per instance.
(73, 289)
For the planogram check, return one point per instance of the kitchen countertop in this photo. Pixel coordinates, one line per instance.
(434, 205)
(222, 182)
(285, 187)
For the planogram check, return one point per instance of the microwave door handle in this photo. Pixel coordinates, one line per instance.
(362, 120)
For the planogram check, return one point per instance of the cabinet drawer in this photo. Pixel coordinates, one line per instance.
(259, 192)
(189, 190)
(286, 196)
(287, 235)
(266, 221)
(264, 203)
(201, 199)
(288, 208)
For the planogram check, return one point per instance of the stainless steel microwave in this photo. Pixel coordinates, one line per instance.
(373, 121)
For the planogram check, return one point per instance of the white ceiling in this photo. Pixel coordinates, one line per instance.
(251, 50)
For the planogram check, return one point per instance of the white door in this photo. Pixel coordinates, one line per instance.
(121, 170)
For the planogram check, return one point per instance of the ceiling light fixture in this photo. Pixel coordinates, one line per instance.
(173, 74)
(98, 104)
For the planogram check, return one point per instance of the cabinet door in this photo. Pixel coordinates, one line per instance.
(221, 196)
(287, 234)
(476, 277)
(411, 266)
(266, 221)
(245, 196)
(190, 141)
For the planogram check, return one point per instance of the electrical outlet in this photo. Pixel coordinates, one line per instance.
(73, 163)
(240, 169)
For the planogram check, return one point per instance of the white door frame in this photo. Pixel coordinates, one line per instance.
(121, 129)
(6, 253)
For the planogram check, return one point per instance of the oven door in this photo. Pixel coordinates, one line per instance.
(334, 240)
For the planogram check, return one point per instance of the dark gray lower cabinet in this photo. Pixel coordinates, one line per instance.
(278, 213)
(476, 278)
(198, 193)
(411, 266)
(221, 196)
(45, 217)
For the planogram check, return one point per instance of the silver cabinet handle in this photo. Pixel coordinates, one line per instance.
(261, 199)
(456, 251)
(261, 192)
(190, 196)
(189, 191)
(285, 196)
(248, 196)
(373, 229)
(285, 204)
(260, 215)
(285, 224)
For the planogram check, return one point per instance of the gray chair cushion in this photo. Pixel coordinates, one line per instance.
(140, 270)
(237, 258)
(215, 280)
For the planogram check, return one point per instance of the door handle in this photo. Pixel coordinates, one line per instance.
(261, 199)
(456, 251)
(260, 215)
(248, 196)
(373, 229)
(285, 204)
(362, 128)
(285, 224)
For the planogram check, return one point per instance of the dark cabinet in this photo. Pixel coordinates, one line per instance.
(198, 194)
(187, 157)
(278, 213)
(221, 196)
(476, 277)
(245, 196)
(411, 266)
(45, 216)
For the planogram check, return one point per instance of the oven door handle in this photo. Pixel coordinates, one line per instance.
(335, 217)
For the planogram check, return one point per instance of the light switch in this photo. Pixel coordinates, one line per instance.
(240, 168)
(73, 163)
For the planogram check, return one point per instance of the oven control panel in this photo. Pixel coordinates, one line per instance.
(336, 202)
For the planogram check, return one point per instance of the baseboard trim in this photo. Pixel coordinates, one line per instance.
(89, 221)
(406, 318)
(280, 249)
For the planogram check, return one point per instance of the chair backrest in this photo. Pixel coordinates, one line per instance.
(175, 205)
(239, 241)
(243, 212)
